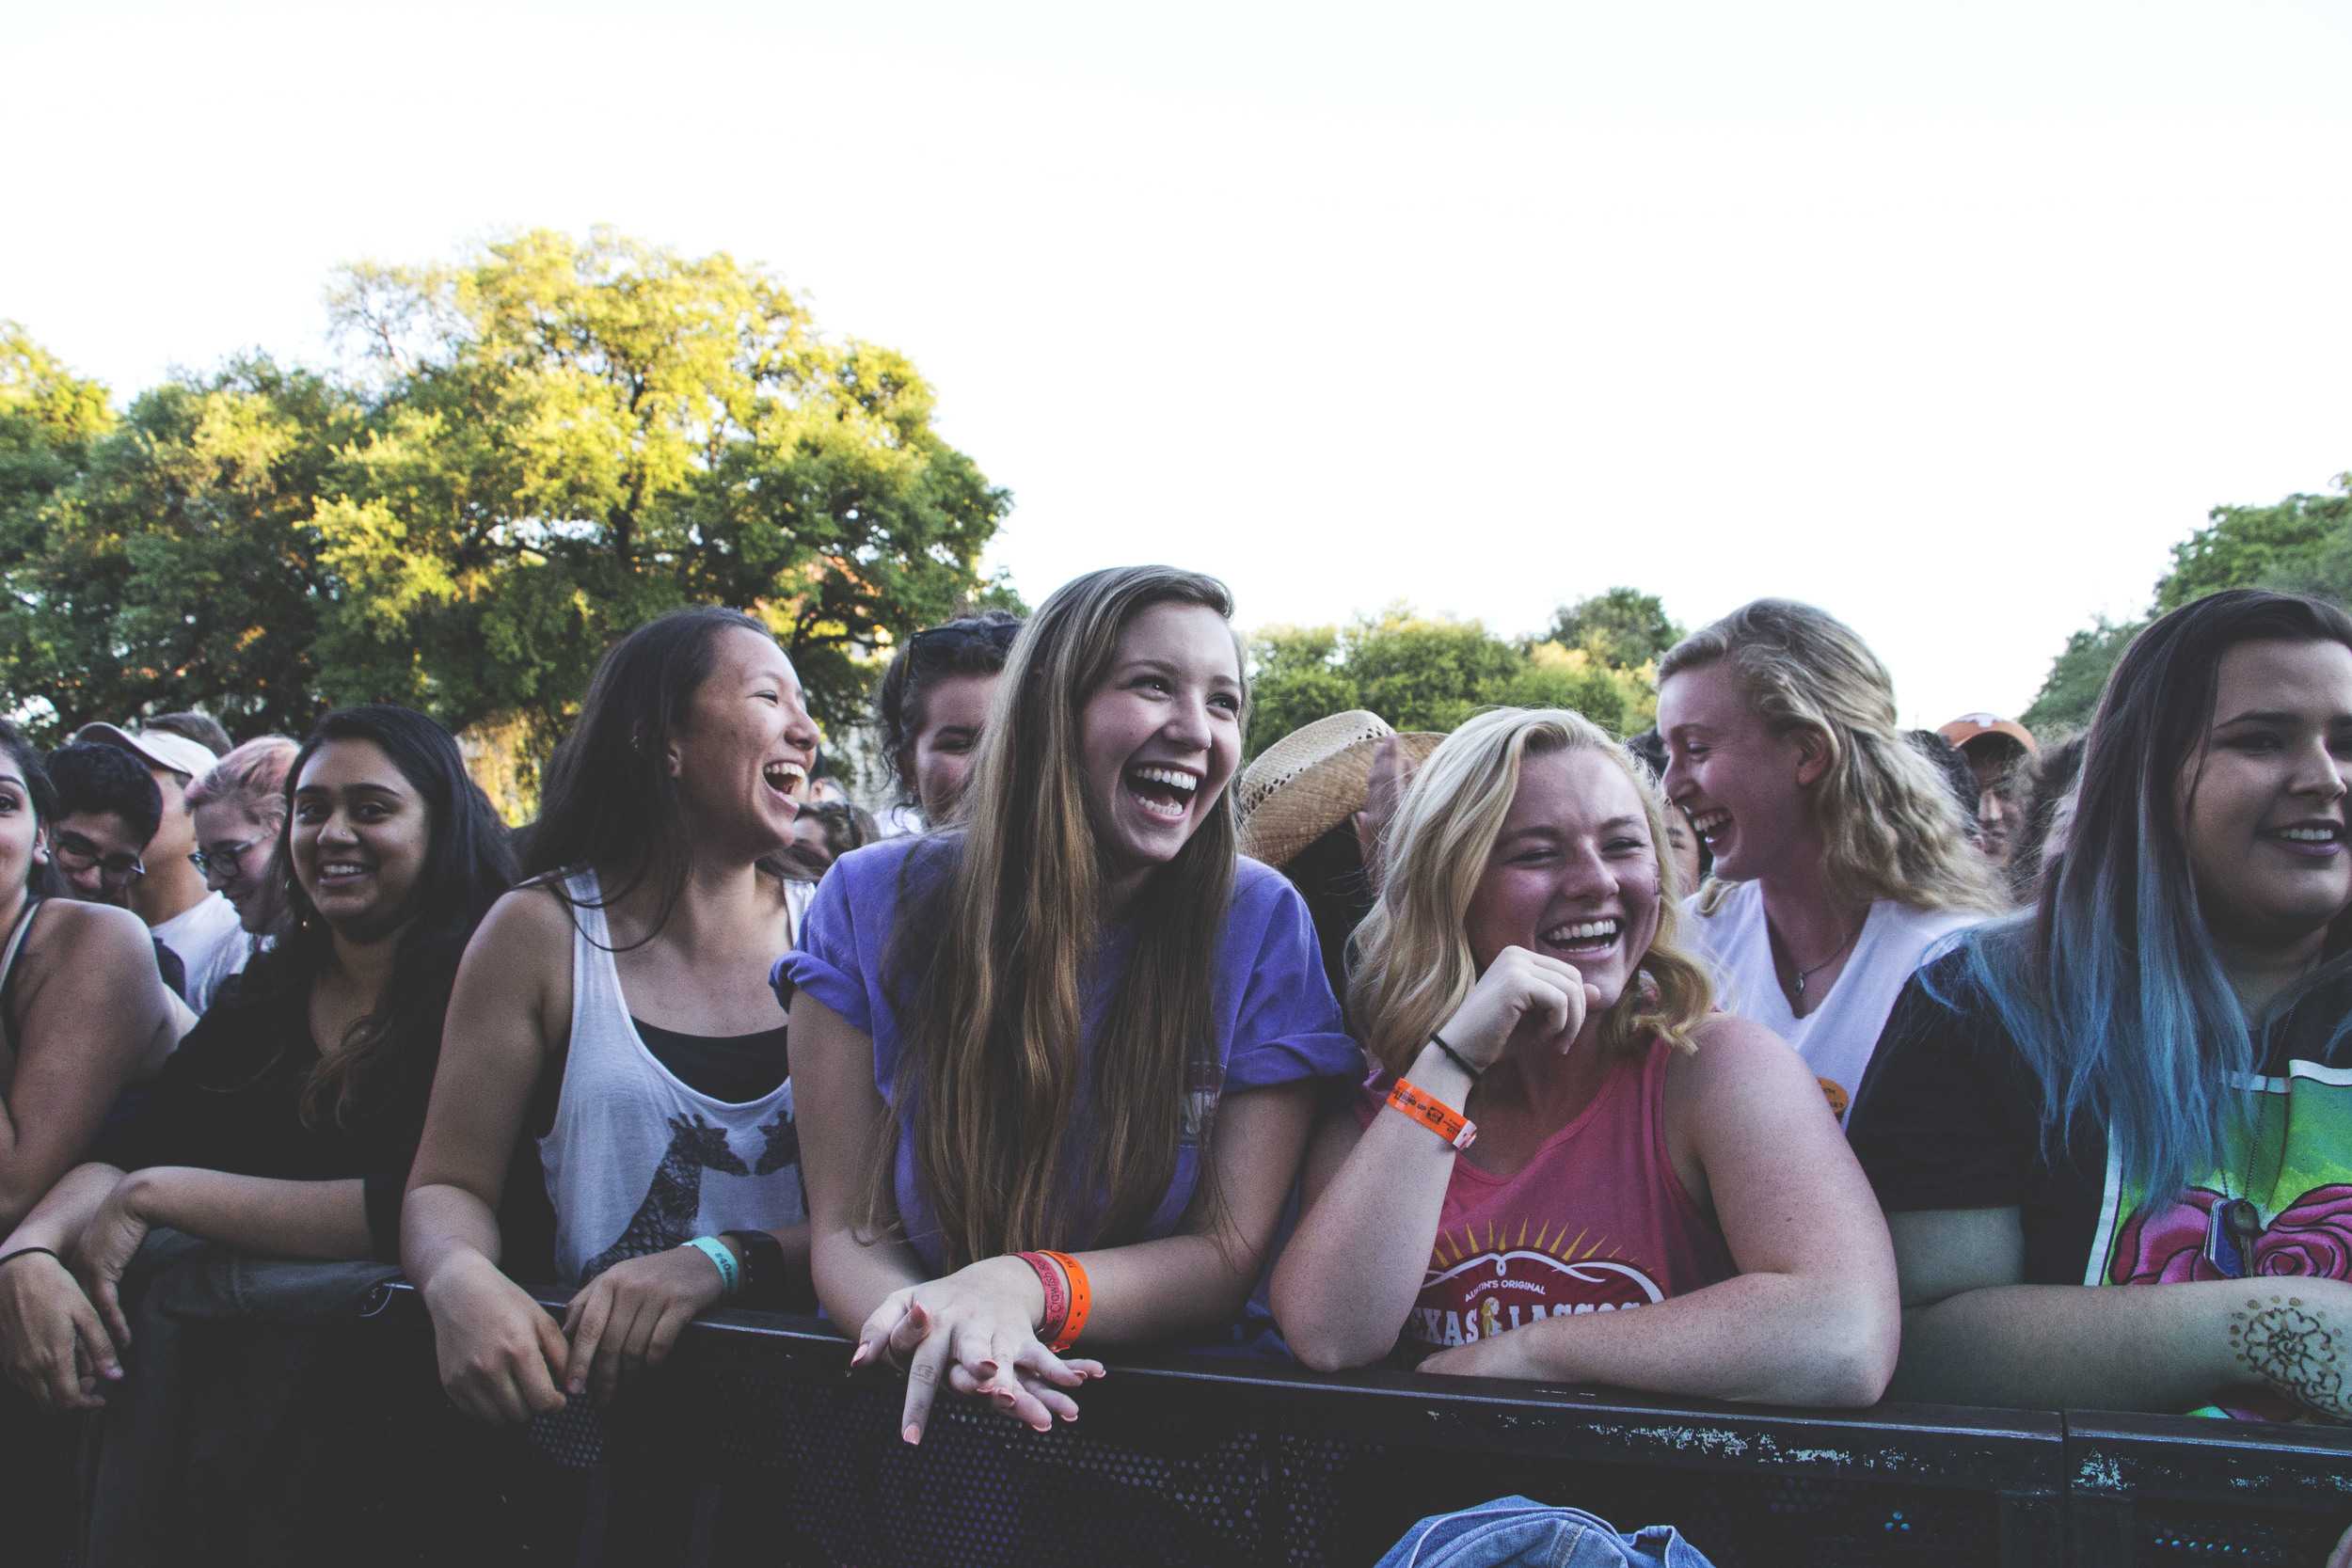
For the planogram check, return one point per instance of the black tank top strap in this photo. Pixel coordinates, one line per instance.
(8, 949)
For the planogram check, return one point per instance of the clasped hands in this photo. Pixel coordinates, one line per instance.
(63, 1330)
(976, 1330)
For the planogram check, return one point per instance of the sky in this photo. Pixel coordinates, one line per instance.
(1949, 318)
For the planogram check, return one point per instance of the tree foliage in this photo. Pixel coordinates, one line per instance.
(2076, 677)
(1624, 628)
(2301, 545)
(528, 454)
(2247, 547)
(574, 437)
(1421, 674)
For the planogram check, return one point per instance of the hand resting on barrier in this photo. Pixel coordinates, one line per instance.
(52, 1343)
(626, 1320)
(976, 1330)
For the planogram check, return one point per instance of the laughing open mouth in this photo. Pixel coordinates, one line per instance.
(1585, 935)
(1165, 793)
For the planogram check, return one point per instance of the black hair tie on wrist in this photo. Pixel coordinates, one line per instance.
(28, 1252)
(1439, 1041)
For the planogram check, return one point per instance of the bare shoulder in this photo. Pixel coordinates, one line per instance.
(1738, 1058)
(80, 967)
(71, 936)
(526, 925)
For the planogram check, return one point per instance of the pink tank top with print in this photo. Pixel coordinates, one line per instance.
(1597, 1221)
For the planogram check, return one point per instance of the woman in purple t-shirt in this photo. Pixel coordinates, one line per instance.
(1079, 1022)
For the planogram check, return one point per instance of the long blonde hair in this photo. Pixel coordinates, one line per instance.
(989, 963)
(1890, 824)
(1414, 965)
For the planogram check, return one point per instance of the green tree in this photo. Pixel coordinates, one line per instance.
(1618, 700)
(2245, 547)
(1624, 627)
(1424, 673)
(2078, 676)
(175, 566)
(572, 437)
(2301, 545)
(534, 452)
(49, 419)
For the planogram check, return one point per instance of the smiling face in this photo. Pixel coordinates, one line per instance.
(236, 851)
(358, 838)
(1743, 786)
(21, 834)
(939, 758)
(741, 757)
(1573, 875)
(1159, 737)
(96, 852)
(2263, 800)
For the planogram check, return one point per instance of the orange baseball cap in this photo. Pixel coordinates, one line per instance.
(1968, 726)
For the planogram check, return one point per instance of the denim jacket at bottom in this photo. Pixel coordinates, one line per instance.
(1520, 1532)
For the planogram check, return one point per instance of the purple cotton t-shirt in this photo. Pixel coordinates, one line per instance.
(1275, 1016)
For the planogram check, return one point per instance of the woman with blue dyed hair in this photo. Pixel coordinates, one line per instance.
(2145, 1080)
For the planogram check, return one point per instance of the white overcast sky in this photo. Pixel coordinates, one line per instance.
(1949, 317)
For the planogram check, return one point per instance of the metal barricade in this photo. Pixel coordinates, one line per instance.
(756, 1443)
(757, 1438)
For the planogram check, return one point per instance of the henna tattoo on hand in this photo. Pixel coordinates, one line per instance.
(2289, 1345)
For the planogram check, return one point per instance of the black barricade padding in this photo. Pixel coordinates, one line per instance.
(757, 1444)
(756, 1439)
(37, 1484)
(2161, 1490)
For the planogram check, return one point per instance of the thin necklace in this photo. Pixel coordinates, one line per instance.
(1836, 953)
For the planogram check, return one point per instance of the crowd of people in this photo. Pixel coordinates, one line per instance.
(1776, 1054)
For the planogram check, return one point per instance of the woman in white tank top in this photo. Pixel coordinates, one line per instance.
(633, 973)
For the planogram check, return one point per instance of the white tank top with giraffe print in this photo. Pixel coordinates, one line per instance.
(637, 1161)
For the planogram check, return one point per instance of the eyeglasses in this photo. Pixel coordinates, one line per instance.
(222, 858)
(77, 853)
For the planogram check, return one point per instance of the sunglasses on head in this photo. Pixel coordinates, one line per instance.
(996, 633)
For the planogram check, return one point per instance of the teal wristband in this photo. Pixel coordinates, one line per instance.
(730, 1273)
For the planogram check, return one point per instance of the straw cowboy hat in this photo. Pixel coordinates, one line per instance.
(1312, 779)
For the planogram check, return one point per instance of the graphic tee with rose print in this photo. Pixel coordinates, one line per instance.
(1949, 1117)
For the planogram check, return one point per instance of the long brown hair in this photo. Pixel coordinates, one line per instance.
(1414, 965)
(989, 963)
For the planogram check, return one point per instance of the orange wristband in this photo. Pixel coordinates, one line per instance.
(1434, 1114)
(1081, 1302)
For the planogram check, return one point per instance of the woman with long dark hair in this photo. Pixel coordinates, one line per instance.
(1056, 1063)
(285, 1121)
(2144, 1081)
(614, 1012)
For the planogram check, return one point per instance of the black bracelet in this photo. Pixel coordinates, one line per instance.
(1439, 1041)
(27, 1252)
(763, 1267)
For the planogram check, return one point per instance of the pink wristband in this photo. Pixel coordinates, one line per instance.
(1057, 1294)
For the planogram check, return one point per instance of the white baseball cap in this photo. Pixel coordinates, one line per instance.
(155, 747)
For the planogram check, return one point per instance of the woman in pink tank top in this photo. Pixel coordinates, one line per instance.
(1564, 1130)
